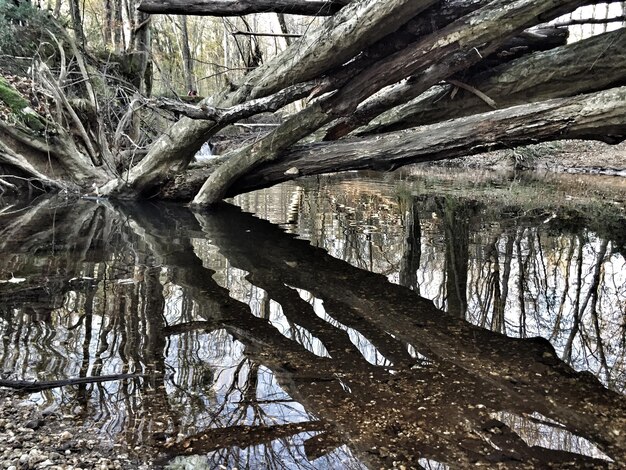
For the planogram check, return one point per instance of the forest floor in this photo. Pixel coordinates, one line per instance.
(566, 156)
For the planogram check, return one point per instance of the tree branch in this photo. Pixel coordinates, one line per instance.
(241, 7)
(35, 386)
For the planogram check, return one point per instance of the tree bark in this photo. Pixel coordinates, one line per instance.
(241, 7)
(77, 22)
(186, 53)
(434, 58)
(559, 72)
(599, 115)
(352, 29)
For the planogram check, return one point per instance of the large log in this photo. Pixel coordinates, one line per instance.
(241, 7)
(599, 116)
(343, 35)
(589, 65)
(438, 56)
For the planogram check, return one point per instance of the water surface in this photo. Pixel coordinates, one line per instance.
(416, 320)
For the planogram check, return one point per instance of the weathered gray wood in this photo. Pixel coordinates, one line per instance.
(439, 55)
(241, 7)
(221, 116)
(457, 47)
(339, 39)
(600, 115)
(589, 65)
(353, 28)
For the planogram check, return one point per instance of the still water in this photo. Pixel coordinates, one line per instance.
(414, 320)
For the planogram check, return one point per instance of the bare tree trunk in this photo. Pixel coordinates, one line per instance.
(118, 26)
(412, 250)
(77, 22)
(456, 229)
(186, 53)
(352, 29)
(563, 71)
(283, 27)
(436, 57)
(107, 28)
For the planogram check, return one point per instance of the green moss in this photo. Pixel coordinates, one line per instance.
(11, 97)
(20, 106)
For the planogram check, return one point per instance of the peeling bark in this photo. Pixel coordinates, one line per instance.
(355, 27)
(434, 58)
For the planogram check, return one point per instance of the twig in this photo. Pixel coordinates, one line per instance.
(272, 35)
(7, 184)
(471, 89)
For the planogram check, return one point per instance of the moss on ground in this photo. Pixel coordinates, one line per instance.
(11, 97)
(20, 107)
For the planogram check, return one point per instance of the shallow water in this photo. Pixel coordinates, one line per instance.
(414, 319)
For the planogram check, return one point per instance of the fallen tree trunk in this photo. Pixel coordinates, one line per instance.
(242, 7)
(343, 35)
(600, 115)
(559, 72)
(436, 57)
(360, 55)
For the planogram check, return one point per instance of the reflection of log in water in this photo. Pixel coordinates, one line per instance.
(444, 410)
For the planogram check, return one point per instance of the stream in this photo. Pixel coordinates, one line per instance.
(417, 319)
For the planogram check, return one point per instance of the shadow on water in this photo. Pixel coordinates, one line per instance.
(257, 349)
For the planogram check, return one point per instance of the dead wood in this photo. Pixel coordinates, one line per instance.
(241, 7)
(343, 35)
(365, 59)
(589, 65)
(434, 58)
(28, 386)
(599, 115)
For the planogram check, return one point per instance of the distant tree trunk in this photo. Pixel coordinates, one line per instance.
(186, 53)
(57, 8)
(410, 262)
(107, 29)
(456, 227)
(498, 323)
(140, 42)
(141, 61)
(283, 28)
(77, 22)
(118, 26)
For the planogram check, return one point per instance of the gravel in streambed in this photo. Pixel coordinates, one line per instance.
(31, 438)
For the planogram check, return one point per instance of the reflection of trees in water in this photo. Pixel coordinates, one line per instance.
(519, 273)
(228, 342)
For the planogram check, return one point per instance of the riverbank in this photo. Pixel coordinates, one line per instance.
(565, 156)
